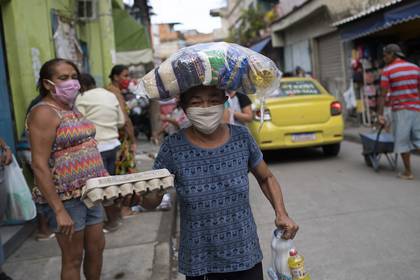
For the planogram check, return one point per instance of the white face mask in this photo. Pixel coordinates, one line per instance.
(206, 120)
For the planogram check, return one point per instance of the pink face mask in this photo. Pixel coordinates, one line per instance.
(66, 91)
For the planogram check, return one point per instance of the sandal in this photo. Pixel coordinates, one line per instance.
(44, 237)
(405, 177)
(107, 228)
(131, 215)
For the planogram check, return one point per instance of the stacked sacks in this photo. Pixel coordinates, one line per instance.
(226, 66)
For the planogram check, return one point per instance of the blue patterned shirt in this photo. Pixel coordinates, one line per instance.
(218, 232)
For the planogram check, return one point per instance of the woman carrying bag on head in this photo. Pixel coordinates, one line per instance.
(210, 161)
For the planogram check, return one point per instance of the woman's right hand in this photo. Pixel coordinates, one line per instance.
(65, 223)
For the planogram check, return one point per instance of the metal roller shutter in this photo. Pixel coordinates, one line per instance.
(329, 51)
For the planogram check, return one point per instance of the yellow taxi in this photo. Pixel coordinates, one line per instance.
(301, 113)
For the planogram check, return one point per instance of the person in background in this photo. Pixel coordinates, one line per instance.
(300, 72)
(239, 110)
(5, 159)
(210, 161)
(23, 150)
(402, 80)
(64, 157)
(172, 120)
(102, 107)
(126, 161)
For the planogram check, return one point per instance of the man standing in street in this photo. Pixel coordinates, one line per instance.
(402, 80)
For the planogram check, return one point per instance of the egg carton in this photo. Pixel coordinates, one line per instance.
(106, 189)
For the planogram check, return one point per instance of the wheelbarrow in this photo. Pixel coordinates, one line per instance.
(375, 145)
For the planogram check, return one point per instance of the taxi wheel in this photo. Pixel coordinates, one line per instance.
(331, 150)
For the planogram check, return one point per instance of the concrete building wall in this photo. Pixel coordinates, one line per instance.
(340, 9)
(286, 6)
(314, 26)
(233, 11)
(166, 33)
(191, 39)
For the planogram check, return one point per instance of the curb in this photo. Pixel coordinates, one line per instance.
(13, 244)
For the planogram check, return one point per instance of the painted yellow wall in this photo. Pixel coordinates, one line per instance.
(27, 26)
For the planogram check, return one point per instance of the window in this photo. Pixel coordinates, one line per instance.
(296, 88)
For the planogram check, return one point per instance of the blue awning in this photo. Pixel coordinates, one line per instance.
(380, 21)
(403, 14)
(258, 47)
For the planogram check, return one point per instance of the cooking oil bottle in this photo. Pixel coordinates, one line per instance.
(296, 265)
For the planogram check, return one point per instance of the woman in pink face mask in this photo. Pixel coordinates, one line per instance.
(64, 157)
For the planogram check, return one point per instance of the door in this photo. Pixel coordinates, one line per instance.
(330, 61)
(7, 131)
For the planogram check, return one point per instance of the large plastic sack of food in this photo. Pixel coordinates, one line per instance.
(226, 66)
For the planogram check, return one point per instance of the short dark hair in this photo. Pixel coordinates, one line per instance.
(47, 71)
(185, 97)
(87, 81)
(117, 70)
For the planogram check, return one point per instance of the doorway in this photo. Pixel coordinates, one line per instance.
(7, 131)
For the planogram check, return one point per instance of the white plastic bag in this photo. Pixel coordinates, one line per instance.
(19, 206)
(350, 97)
(279, 269)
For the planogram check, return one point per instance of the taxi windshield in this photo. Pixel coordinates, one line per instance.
(296, 88)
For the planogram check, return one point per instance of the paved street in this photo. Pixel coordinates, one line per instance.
(354, 223)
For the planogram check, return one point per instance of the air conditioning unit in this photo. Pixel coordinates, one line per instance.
(87, 10)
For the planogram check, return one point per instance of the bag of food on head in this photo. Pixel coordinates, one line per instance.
(226, 66)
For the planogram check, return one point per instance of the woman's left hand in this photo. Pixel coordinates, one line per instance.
(289, 227)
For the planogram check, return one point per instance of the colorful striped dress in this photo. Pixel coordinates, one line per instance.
(74, 157)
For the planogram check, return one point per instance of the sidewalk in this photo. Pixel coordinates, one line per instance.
(141, 249)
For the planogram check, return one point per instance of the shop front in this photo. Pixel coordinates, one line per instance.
(366, 34)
